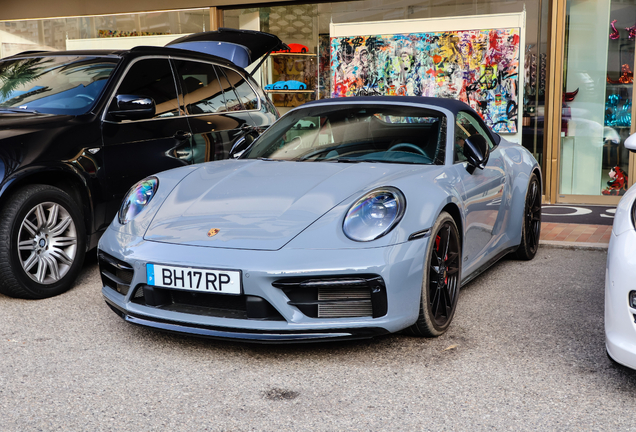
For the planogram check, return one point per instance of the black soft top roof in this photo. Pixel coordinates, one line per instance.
(449, 104)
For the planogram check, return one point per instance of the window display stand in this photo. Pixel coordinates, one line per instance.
(297, 67)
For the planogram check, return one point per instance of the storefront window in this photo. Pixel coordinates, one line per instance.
(598, 82)
(53, 34)
(308, 28)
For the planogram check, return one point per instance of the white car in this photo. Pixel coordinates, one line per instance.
(620, 290)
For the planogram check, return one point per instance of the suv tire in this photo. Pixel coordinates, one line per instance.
(45, 242)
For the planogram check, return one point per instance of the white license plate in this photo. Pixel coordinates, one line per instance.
(194, 279)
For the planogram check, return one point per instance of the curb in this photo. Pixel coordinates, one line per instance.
(573, 245)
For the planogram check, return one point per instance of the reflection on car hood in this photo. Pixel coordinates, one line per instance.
(19, 120)
(257, 204)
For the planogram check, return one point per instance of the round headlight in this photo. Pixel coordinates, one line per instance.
(137, 198)
(375, 214)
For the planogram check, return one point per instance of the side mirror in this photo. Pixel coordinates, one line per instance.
(476, 152)
(630, 143)
(130, 107)
(241, 145)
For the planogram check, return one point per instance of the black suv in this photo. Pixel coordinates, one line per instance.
(79, 128)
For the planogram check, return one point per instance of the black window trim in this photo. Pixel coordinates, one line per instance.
(121, 78)
(492, 136)
(182, 94)
(480, 122)
(218, 66)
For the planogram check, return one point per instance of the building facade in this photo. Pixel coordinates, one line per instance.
(555, 76)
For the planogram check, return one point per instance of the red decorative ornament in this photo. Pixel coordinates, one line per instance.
(569, 96)
(632, 31)
(618, 182)
(626, 78)
(614, 34)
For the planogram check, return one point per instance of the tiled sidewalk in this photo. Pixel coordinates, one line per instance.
(595, 236)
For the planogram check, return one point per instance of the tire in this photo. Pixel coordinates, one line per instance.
(285, 87)
(441, 279)
(45, 243)
(531, 229)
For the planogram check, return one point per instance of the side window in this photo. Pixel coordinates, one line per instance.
(202, 92)
(245, 94)
(152, 78)
(231, 98)
(466, 126)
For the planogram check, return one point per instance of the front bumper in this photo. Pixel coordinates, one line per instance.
(620, 325)
(399, 267)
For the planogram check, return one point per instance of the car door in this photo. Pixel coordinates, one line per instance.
(482, 194)
(134, 149)
(217, 113)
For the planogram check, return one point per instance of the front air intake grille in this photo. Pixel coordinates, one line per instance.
(341, 303)
(115, 273)
(336, 297)
(206, 304)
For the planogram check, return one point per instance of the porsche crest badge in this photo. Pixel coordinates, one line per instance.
(213, 232)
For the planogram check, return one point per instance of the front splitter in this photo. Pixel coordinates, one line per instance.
(242, 335)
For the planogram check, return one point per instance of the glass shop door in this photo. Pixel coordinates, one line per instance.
(597, 101)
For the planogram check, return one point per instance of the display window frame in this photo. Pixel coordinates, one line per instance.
(554, 116)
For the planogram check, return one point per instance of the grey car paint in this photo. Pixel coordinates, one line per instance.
(298, 229)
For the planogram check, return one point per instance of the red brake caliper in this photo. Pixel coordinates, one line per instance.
(437, 240)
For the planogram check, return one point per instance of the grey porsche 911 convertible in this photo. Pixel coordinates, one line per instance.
(348, 218)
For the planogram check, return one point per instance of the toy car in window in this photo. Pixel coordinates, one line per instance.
(363, 225)
(294, 48)
(305, 124)
(80, 128)
(290, 85)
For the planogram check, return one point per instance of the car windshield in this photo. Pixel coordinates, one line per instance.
(53, 84)
(354, 133)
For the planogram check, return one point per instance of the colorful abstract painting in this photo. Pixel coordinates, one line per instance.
(479, 67)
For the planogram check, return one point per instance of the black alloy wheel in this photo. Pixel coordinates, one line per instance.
(531, 229)
(441, 281)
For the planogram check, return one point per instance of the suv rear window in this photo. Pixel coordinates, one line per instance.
(202, 90)
(246, 95)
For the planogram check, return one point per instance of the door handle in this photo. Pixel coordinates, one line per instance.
(182, 135)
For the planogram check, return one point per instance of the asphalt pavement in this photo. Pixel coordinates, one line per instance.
(525, 352)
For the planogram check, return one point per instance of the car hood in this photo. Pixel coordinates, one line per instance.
(241, 47)
(259, 205)
(17, 122)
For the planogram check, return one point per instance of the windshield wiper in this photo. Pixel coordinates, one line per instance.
(367, 160)
(18, 110)
(343, 160)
